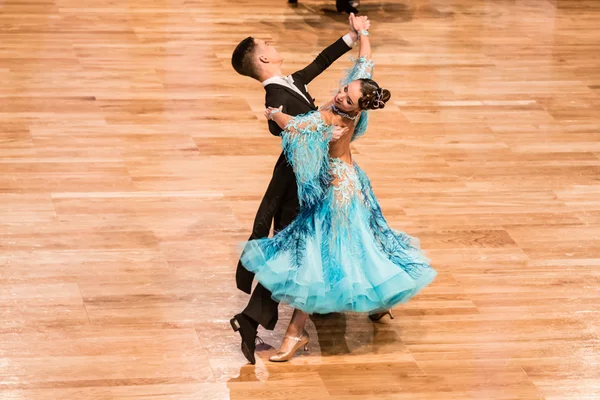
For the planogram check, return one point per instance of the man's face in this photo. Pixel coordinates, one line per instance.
(267, 53)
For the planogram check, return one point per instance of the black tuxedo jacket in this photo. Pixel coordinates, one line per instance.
(280, 202)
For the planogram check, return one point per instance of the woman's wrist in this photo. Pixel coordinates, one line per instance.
(273, 112)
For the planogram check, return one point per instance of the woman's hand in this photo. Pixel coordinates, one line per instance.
(362, 23)
(270, 111)
(280, 118)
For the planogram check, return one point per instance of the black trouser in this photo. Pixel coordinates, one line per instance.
(280, 204)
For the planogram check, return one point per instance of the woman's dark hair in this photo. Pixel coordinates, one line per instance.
(241, 59)
(373, 97)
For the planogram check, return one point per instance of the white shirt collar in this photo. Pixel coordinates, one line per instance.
(282, 80)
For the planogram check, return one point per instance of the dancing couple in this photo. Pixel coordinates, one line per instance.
(332, 249)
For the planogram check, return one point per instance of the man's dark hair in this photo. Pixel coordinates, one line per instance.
(242, 58)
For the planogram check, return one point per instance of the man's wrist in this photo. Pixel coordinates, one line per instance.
(350, 38)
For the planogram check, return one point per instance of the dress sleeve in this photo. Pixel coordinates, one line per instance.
(362, 69)
(305, 142)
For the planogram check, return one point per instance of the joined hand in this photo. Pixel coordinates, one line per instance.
(358, 24)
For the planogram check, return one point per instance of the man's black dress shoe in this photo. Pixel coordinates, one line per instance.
(240, 324)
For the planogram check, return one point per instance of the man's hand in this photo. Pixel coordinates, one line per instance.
(353, 32)
(338, 132)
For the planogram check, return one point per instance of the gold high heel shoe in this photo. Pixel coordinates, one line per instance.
(301, 341)
(377, 317)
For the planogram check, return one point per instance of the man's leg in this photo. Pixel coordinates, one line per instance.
(269, 206)
(261, 308)
(289, 203)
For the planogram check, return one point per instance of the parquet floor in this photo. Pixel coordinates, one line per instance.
(133, 159)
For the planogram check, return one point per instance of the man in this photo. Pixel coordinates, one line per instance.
(261, 61)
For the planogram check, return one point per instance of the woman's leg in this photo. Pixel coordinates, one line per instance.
(294, 330)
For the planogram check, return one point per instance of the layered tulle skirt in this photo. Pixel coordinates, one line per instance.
(339, 254)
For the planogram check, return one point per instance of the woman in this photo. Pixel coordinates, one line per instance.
(339, 254)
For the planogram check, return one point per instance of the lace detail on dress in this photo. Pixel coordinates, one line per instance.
(345, 182)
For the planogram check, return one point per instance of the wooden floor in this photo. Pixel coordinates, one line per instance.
(133, 159)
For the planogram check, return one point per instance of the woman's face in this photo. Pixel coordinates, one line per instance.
(346, 99)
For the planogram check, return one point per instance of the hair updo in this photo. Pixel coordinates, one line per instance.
(373, 97)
